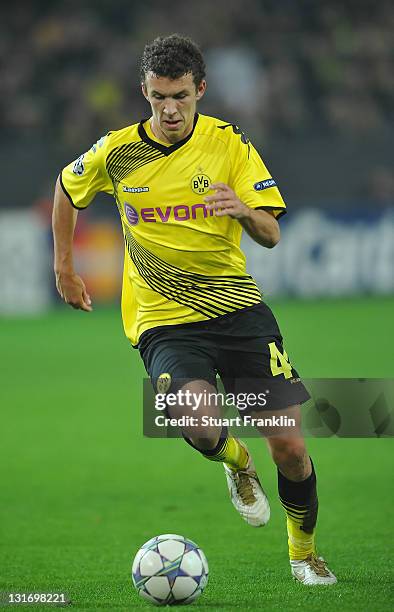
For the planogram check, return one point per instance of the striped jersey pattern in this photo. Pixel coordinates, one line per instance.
(127, 158)
(211, 296)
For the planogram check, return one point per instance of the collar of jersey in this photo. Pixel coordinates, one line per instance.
(166, 150)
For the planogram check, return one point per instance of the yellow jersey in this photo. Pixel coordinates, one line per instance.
(182, 263)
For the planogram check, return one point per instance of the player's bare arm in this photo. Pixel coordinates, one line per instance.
(261, 225)
(69, 285)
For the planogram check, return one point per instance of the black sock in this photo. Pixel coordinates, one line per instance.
(299, 500)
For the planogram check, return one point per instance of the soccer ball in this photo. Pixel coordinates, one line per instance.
(170, 569)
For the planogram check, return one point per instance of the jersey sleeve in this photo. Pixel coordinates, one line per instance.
(86, 176)
(251, 180)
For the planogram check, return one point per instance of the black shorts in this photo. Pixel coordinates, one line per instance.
(244, 348)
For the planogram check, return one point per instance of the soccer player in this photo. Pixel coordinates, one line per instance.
(186, 185)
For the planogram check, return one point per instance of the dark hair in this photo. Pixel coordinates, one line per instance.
(172, 57)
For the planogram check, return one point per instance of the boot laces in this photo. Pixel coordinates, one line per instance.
(245, 488)
(318, 565)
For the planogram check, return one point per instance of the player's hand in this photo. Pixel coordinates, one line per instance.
(226, 202)
(73, 291)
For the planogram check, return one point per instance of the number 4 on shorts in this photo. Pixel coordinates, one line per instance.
(279, 362)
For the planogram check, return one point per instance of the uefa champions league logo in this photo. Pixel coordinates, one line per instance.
(131, 214)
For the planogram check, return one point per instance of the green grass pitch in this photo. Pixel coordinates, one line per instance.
(81, 489)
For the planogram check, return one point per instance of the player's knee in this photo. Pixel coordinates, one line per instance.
(289, 452)
(204, 440)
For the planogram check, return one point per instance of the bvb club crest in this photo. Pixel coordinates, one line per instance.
(163, 383)
(200, 183)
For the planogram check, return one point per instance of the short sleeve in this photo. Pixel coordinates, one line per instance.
(251, 180)
(86, 176)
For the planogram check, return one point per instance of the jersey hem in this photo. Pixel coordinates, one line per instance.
(281, 211)
(67, 194)
(194, 323)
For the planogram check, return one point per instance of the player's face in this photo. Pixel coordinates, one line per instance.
(173, 103)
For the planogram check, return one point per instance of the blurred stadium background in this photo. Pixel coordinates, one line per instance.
(312, 85)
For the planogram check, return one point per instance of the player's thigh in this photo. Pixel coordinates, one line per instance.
(200, 405)
(282, 428)
(171, 362)
(184, 367)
